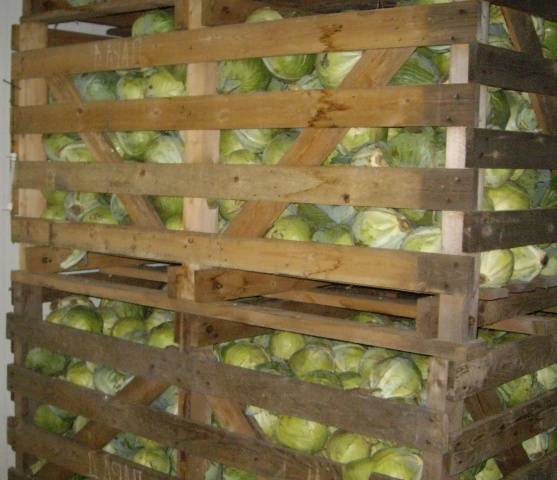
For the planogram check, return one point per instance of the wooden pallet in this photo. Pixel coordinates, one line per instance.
(207, 275)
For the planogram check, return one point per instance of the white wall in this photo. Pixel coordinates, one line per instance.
(11, 11)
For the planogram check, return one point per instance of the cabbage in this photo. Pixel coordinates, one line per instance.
(496, 268)
(165, 149)
(241, 157)
(83, 318)
(228, 143)
(290, 227)
(256, 139)
(230, 473)
(162, 336)
(124, 309)
(333, 67)
(44, 361)
(71, 301)
(550, 40)
(345, 447)
(118, 210)
(266, 420)
(53, 144)
(278, 146)
(322, 377)
(441, 58)
(547, 377)
(347, 357)
(302, 435)
(418, 70)
(168, 401)
(339, 213)
(284, 344)
(135, 144)
(372, 318)
(336, 235)
(76, 152)
(380, 228)
(110, 381)
(101, 214)
(77, 205)
(529, 261)
(357, 137)
(519, 390)
(158, 317)
(55, 198)
(402, 463)
(245, 355)
(422, 362)
(314, 215)
(154, 21)
(52, 419)
(374, 154)
(416, 149)
(536, 183)
(80, 374)
(499, 110)
(537, 446)
(174, 222)
(243, 76)
(350, 380)
(550, 269)
(496, 177)
(154, 458)
(490, 472)
(311, 357)
(98, 86)
(168, 207)
(423, 239)
(228, 209)
(395, 377)
(79, 424)
(130, 328)
(373, 357)
(132, 86)
(54, 212)
(161, 82)
(307, 82)
(509, 196)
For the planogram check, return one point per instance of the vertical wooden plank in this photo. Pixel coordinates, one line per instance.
(30, 203)
(27, 303)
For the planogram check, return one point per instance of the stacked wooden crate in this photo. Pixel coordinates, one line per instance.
(299, 286)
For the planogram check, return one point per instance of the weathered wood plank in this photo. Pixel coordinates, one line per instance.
(511, 70)
(489, 437)
(420, 272)
(517, 304)
(400, 27)
(434, 189)
(544, 467)
(541, 8)
(498, 149)
(503, 364)
(440, 105)
(527, 324)
(172, 431)
(57, 38)
(75, 457)
(485, 231)
(386, 418)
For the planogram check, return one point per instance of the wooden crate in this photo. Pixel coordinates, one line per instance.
(309, 287)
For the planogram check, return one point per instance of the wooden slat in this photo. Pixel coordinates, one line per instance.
(434, 189)
(517, 304)
(75, 457)
(504, 68)
(352, 300)
(542, 8)
(57, 38)
(525, 39)
(487, 438)
(438, 105)
(152, 274)
(420, 272)
(86, 12)
(503, 364)
(170, 430)
(544, 468)
(485, 231)
(400, 27)
(527, 324)
(259, 315)
(385, 418)
(498, 149)
(140, 210)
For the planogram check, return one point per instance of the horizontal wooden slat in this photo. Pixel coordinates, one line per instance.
(352, 300)
(512, 70)
(503, 364)
(382, 268)
(542, 468)
(485, 231)
(397, 27)
(542, 8)
(170, 430)
(434, 189)
(488, 437)
(110, 7)
(57, 38)
(152, 274)
(326, 6)
(528, 324)
(449, 105)
(256, 315)
(517, 304)
(75, 457)
(384, 419)
(499, 149)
